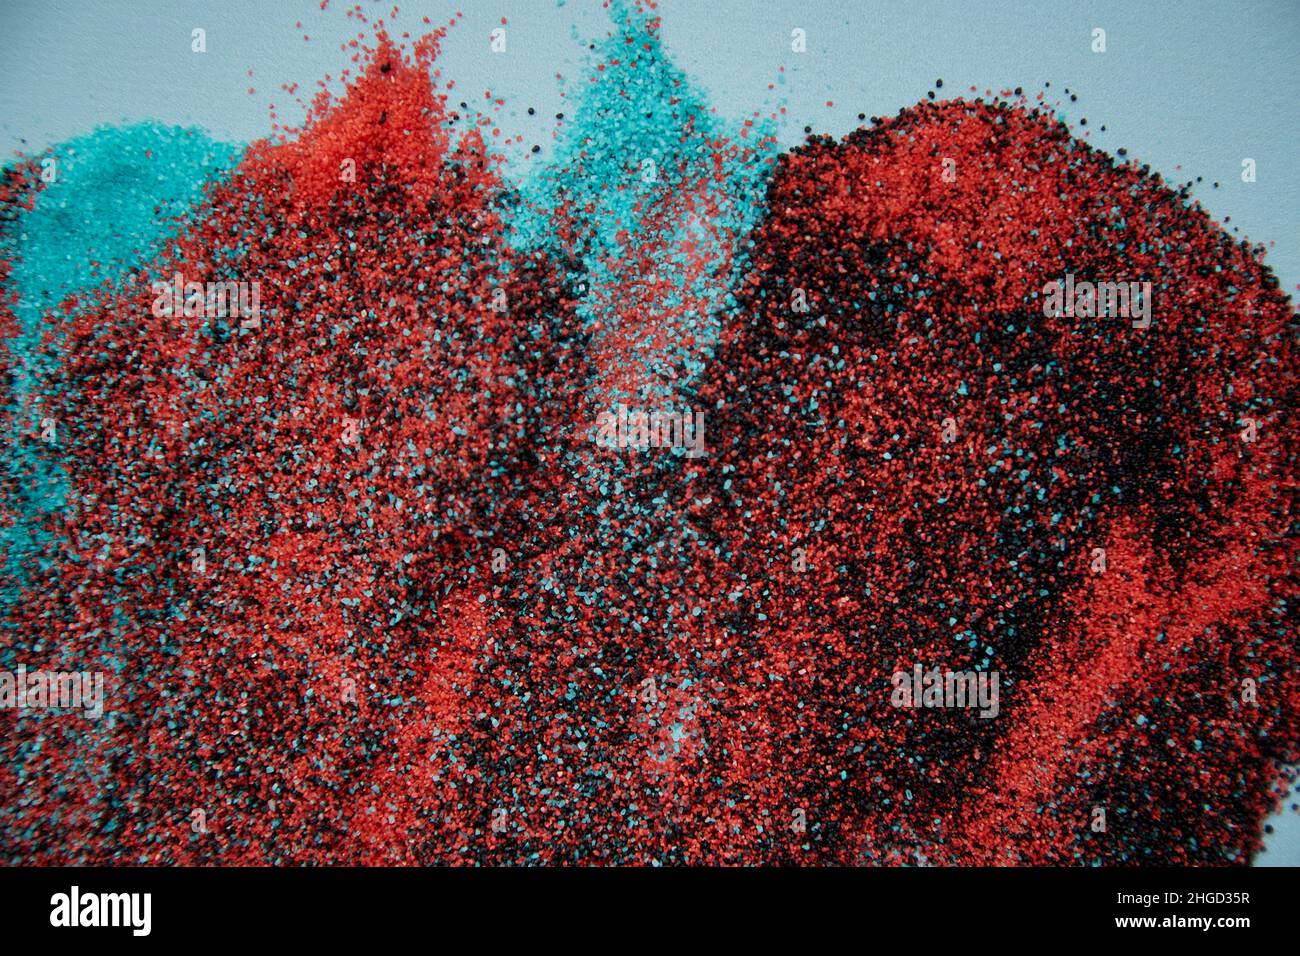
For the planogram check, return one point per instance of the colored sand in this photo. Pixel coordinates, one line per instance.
(368, 591)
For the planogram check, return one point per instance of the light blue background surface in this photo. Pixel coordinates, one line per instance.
(1190, 87)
